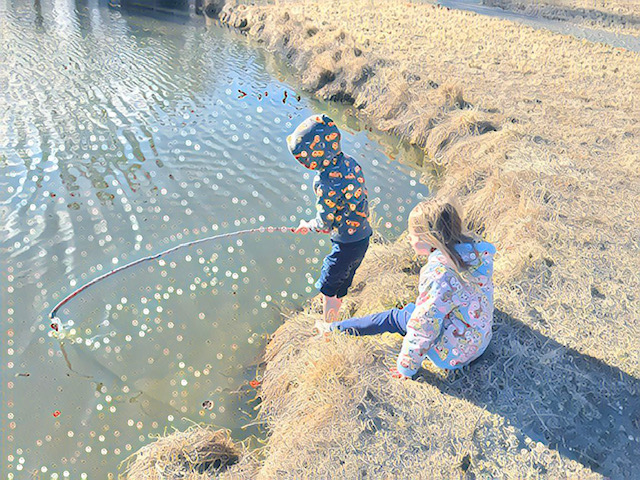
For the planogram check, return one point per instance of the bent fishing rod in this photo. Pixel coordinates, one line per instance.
(54, 311)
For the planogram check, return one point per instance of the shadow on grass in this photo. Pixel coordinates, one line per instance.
(592, 13)
(588, 13)
(583, 408)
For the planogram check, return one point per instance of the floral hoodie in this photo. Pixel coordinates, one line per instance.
(342, 205)
(452, 319)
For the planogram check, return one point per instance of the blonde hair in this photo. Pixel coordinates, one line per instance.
(437, 222)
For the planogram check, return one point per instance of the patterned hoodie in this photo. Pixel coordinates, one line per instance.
(452, 320)
(342, 205)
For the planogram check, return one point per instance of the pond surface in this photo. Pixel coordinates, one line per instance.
(122, 135)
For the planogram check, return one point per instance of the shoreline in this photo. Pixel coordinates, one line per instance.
(536, 134)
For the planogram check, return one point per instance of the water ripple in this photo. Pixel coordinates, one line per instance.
(122, 135)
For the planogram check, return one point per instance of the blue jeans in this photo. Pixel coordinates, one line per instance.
(393, 321)
(339, 267)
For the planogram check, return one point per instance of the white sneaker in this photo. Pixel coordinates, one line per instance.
(322, 329)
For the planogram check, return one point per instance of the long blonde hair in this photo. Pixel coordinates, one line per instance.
(437, 222)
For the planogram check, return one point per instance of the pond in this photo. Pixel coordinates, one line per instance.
(122, 135)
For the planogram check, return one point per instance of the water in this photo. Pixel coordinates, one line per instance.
(120, 136)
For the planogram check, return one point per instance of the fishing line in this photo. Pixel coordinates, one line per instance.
(56, 324)
(53, 314)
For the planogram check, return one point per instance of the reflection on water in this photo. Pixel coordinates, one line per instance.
(173, 7)
(121, 136)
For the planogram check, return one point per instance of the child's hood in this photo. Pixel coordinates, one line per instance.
(315, 143)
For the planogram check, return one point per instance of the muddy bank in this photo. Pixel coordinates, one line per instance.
(539, 138)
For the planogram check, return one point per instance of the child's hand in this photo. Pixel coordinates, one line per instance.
(396, 374)
(303, 228)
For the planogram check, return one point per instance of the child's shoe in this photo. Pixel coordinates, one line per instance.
(322, 329)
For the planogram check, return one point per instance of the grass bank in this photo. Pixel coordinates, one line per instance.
(538, 136)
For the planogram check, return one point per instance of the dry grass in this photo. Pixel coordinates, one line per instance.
(538, 144)
(195, 454)
(615, 15)
(334, 411)
(538, 135)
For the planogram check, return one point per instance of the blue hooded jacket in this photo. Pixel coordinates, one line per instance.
(339, 184)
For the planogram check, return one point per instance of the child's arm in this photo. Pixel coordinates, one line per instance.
(425, 324)
(326, 209)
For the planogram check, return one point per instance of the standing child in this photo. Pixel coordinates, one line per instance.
(342, 206)
(451, 320)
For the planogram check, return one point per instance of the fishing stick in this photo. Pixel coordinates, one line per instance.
(53, 316)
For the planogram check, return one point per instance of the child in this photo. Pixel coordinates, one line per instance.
(451, 320)
(342, 206)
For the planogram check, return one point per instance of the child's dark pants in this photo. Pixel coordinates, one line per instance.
(339, 267)
(393, 321)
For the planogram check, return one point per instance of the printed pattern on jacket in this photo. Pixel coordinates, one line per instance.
(452, 320)
(342, 205)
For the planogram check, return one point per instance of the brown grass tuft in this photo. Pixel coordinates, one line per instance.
(195, 454)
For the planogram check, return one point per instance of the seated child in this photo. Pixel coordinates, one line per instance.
(451, 319)
(342, 206)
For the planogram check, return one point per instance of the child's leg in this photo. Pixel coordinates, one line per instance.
(357, 255)
(394, 321)
(331, 307)
(337, 273)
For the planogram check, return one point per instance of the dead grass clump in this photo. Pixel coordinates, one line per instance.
(451, 94)
(196, 454)
(331, 65)
(459, 125)
(321, 72)
(334, 72)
